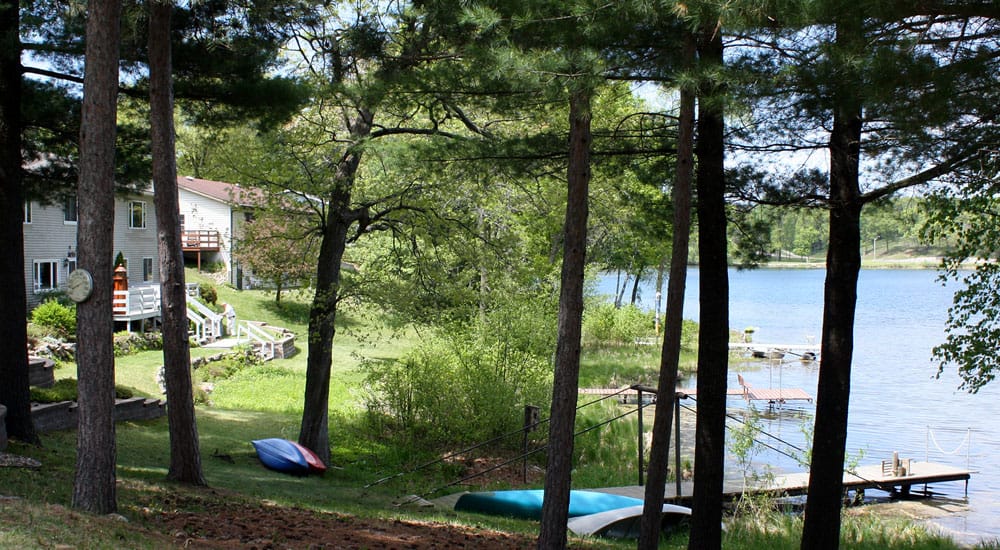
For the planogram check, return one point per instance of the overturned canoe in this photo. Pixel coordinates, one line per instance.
(527, 503)
(626, 522)
(316, 465)
(281, 455)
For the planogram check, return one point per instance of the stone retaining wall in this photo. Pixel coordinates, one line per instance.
(62, 415)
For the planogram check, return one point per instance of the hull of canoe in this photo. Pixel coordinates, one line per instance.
(281, 455)
(527, 503)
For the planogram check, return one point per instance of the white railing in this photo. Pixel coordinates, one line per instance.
(263, 338)
(208, 324)
(140, 300)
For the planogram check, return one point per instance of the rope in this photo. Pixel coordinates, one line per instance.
(942, 451)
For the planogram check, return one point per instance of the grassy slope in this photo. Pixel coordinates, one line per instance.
(263, 406)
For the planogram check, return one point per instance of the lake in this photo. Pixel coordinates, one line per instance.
(897, 403)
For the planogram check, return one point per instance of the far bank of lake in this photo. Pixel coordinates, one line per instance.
(897, 402)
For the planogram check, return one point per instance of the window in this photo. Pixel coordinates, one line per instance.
(27, 212)
(69, 210)
(137, 215)
(147, 269)
(46, 275)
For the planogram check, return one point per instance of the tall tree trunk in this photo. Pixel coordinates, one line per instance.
(670, 354)
(314, 430)
(843, 262)
(635, 286)
(94, 485)
(14, 391)
(713, 337)
(555, 508)
(185, 456)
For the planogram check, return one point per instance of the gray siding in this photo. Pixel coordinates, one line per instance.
(49, 238)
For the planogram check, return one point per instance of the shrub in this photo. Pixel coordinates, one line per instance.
(65, 390)
(606, 325)
(208, 293)
(57, 317)
(458, 388)
(127, 343)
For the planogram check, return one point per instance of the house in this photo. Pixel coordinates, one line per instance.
(50, 244)
(212, 217)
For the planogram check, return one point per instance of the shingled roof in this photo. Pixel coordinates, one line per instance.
(229, 193)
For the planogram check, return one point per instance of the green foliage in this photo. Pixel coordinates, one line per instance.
(232, 365)
(208, 293)
(606, 455)
(127, 343)
(65, 390)
(606, 325)
(457, 388)
(61, 319)
(119, 260)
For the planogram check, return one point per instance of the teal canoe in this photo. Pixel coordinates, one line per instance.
(527, 503)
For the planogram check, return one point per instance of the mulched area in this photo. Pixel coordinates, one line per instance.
(235, 525)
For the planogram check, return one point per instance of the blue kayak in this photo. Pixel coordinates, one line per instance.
(527, 503)
(281, 455)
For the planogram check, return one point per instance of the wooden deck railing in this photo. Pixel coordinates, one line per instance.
(200, 240)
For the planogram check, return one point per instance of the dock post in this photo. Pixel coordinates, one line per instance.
(677, 445)
(639, 395)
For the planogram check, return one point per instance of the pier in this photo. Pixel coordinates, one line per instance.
(864, 477)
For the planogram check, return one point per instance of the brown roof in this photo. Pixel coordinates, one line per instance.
(229, 193)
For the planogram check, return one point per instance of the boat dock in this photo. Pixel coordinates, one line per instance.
(864, 477)
(804, 352)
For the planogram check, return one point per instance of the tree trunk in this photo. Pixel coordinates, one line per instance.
(314, 430)
(94, 485)
(635, 286)
(713, 337)
(659, 452)
(185, 456)
(843, 262)
(555, 508)
(14, 391)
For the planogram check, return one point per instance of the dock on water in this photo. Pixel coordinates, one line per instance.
(864, 477)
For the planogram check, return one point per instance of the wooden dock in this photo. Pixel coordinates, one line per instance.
(865, 477)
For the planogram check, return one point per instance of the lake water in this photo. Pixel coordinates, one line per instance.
(897, 404)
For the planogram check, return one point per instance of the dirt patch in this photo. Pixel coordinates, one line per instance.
(234, 525)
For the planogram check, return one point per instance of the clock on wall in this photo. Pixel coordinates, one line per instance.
(79, 285)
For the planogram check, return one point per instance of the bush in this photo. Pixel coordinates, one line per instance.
(208, 293)
(60, 319)
(458, 389)
(127, 343)
(605, 325)
(65, 390)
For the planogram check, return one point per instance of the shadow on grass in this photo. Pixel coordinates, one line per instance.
(298, 313)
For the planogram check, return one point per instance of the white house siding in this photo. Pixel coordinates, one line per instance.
(203, 213)
(49, 238)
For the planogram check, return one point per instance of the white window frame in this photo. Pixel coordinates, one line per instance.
(36, 276)
(75, 211)
(142, 214)
(147, 273)
(27, 212)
